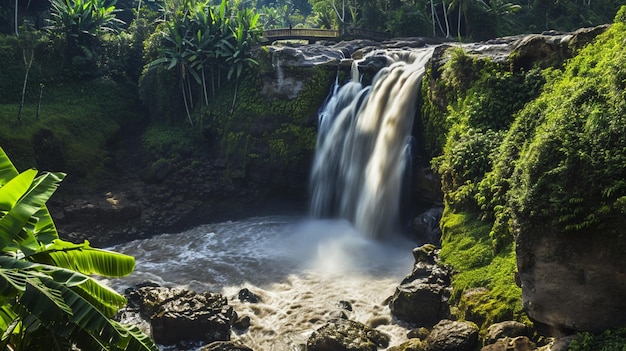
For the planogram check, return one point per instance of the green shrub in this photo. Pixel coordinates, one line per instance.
(609, 340)
(570, 172)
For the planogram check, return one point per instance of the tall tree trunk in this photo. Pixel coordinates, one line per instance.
(445, 16)
(432, 15)
(28, 63)
(206, 98)
(17, 34)
(39, 101)
(458, 23)
(183, 90)
(232, 107)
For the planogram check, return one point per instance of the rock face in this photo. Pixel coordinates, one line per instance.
(178, 314)
(572, 281)
(426, 226)
(422, 296)
(346, 335)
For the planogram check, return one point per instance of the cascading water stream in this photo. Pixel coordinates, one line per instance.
(304, 268)
(361, 154)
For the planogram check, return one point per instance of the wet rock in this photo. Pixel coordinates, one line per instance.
(427, 228)
(410, 345)
(520, 343)
(346, 335)
(422, 296)
(419, 333)
(345, 305)
(246, 295)
(178, 314)
(453, 336)
(505, 329)
(427, 187)
(242, 323)
(338, 314)
(225, 346)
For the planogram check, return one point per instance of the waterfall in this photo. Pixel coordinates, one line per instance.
(362, 150)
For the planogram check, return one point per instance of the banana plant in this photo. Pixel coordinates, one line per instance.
(49, 298)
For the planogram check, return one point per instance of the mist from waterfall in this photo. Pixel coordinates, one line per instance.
(362, 145)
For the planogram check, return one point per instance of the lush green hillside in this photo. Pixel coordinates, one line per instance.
(528, 151)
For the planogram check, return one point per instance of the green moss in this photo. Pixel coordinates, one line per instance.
(484, 288)
(170, 142)
(275, 131)
(570, 172)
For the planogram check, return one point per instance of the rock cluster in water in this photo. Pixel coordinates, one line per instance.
(422, 297)
(178, 316)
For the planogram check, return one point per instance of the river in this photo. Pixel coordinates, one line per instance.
(303, 270)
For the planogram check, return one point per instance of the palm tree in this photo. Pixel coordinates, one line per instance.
(48, 297)
(462, 7)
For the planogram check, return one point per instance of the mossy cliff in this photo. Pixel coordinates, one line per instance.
(533, 168)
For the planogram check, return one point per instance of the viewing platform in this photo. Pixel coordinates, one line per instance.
(310, 34)
(314, 34)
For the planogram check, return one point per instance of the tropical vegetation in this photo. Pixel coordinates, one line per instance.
(49, 299)
(527, 151)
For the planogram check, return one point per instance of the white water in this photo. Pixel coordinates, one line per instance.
(361, 157)
(300, 268)
(303, 268)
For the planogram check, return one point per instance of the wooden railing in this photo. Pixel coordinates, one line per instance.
(313, 34)
(300, 33)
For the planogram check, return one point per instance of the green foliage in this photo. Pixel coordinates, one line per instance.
(484, 286)
(570, 173)
(482, 99)
(171, 142)
(609, 340)
(80, 23)
(268, 131)
(467, 157)
(48, 298)
(205, 44)
(77, 120)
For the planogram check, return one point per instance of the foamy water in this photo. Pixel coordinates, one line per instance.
(302, 269)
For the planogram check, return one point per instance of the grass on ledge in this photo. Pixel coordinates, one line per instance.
(483, 284)
(82, 116)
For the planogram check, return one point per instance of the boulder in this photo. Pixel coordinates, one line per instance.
(427, 228)
(505, 329)
(572, 281)
(346, 335)
(422, 297)
(520, 343)
(245, 295)
(178, 314)
(419, 333)
(450, 335)
(551, 48)
(410, 345)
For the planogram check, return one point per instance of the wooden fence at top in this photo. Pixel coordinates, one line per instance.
(313, 34)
